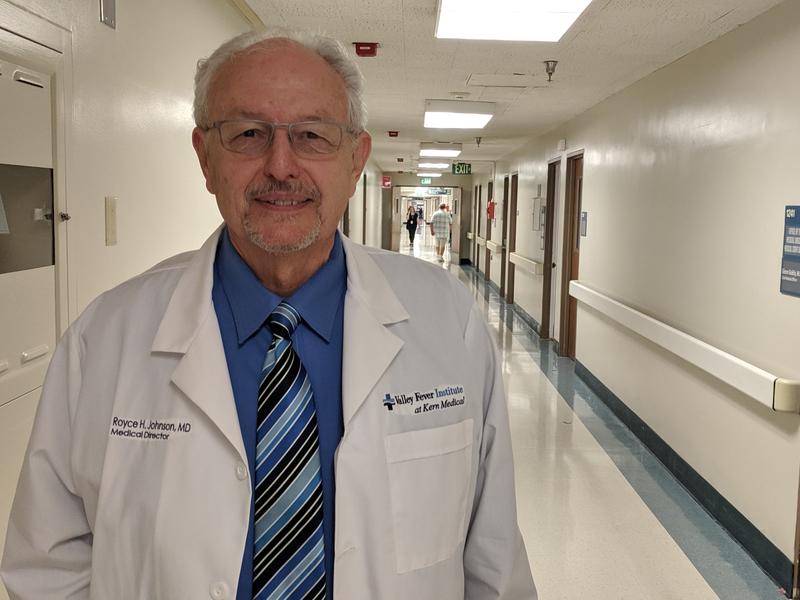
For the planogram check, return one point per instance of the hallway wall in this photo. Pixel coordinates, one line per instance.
(374, 201)
(686, 176)
(129, 134)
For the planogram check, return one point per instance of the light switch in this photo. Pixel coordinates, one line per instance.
(111, 220)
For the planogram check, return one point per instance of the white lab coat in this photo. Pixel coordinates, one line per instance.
(135, 484)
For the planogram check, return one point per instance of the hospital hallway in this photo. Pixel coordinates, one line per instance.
(602, 518)
(619, 178)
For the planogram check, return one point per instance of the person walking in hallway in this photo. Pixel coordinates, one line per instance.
(411, 223)
(441, 221)
(268, 417)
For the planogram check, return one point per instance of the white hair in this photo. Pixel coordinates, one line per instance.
(331, 50)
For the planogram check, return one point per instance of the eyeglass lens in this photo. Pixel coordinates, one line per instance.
(254, 137)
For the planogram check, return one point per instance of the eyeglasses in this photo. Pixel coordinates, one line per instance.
(308, 138)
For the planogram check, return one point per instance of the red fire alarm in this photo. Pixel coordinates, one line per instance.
(366, 48)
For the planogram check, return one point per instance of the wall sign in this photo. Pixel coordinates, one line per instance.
(462, 168)
(790, 265)
(425, 180)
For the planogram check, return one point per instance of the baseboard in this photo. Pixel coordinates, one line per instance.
(764, 552)
(464, 261)
(529, 320)
(494, 286)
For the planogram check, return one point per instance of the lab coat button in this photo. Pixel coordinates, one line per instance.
(241, 471)
(218, 590)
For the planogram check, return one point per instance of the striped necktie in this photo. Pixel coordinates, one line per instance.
(288, 558)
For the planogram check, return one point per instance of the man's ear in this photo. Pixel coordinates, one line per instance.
(199, 143)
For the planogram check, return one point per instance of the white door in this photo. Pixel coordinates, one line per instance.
(27, 263)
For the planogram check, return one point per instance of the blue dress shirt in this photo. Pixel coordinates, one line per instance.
(242, 305)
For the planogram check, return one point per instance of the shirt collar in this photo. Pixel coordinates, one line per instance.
(317, 300)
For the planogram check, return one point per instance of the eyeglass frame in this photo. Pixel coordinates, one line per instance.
(287, 126)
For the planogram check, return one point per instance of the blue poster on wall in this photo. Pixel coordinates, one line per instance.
(790, 266)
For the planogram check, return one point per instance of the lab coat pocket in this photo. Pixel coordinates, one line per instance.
(429, 476)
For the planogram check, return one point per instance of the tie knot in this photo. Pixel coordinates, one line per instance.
(283, 320)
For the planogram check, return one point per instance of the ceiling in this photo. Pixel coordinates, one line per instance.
(613, 44)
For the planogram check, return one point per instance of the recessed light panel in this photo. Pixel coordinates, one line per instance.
(439, 150)
(457, 114)
(507, 20)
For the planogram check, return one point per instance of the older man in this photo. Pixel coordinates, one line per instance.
(268, 417)
(440, 229)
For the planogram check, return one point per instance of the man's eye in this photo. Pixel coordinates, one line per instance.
(310, 135)
(251, 133)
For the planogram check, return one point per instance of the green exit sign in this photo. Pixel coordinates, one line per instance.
(425, 180)
(462, 169)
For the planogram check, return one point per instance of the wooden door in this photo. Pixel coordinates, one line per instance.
(553, 170)
(503, 239)
(475, 226)
(511, 238)
(571, 255)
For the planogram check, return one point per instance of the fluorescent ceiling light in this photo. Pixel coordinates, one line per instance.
(429, 174)
(439, 150)
(440, 153)
(457, 114)
(432, 165)
(507, 20)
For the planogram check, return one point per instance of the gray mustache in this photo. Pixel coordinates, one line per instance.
(291, 187)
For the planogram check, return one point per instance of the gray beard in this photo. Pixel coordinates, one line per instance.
(281, 249)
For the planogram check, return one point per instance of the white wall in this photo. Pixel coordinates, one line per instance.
(491, 229)
(374, 204)
(686, 174)
(355, 208)
(127, 126)
(496, 225)
(129, 133)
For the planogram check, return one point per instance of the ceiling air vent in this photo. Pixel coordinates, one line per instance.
(502, 80)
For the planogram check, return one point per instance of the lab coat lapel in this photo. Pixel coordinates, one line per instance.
(369, 346)
(190, 328)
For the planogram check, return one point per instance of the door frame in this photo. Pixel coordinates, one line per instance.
(43, 46)
(511, 245)
(487, 253)
(503, 239)
(475, 226)
(571, 238)
(364, 214)
(553, 172)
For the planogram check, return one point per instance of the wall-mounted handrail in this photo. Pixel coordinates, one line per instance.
(494, 246)
(470, 235)
(526, 264)
(771, 391)
(480, 241)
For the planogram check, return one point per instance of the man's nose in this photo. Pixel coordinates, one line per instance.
(280, 159)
